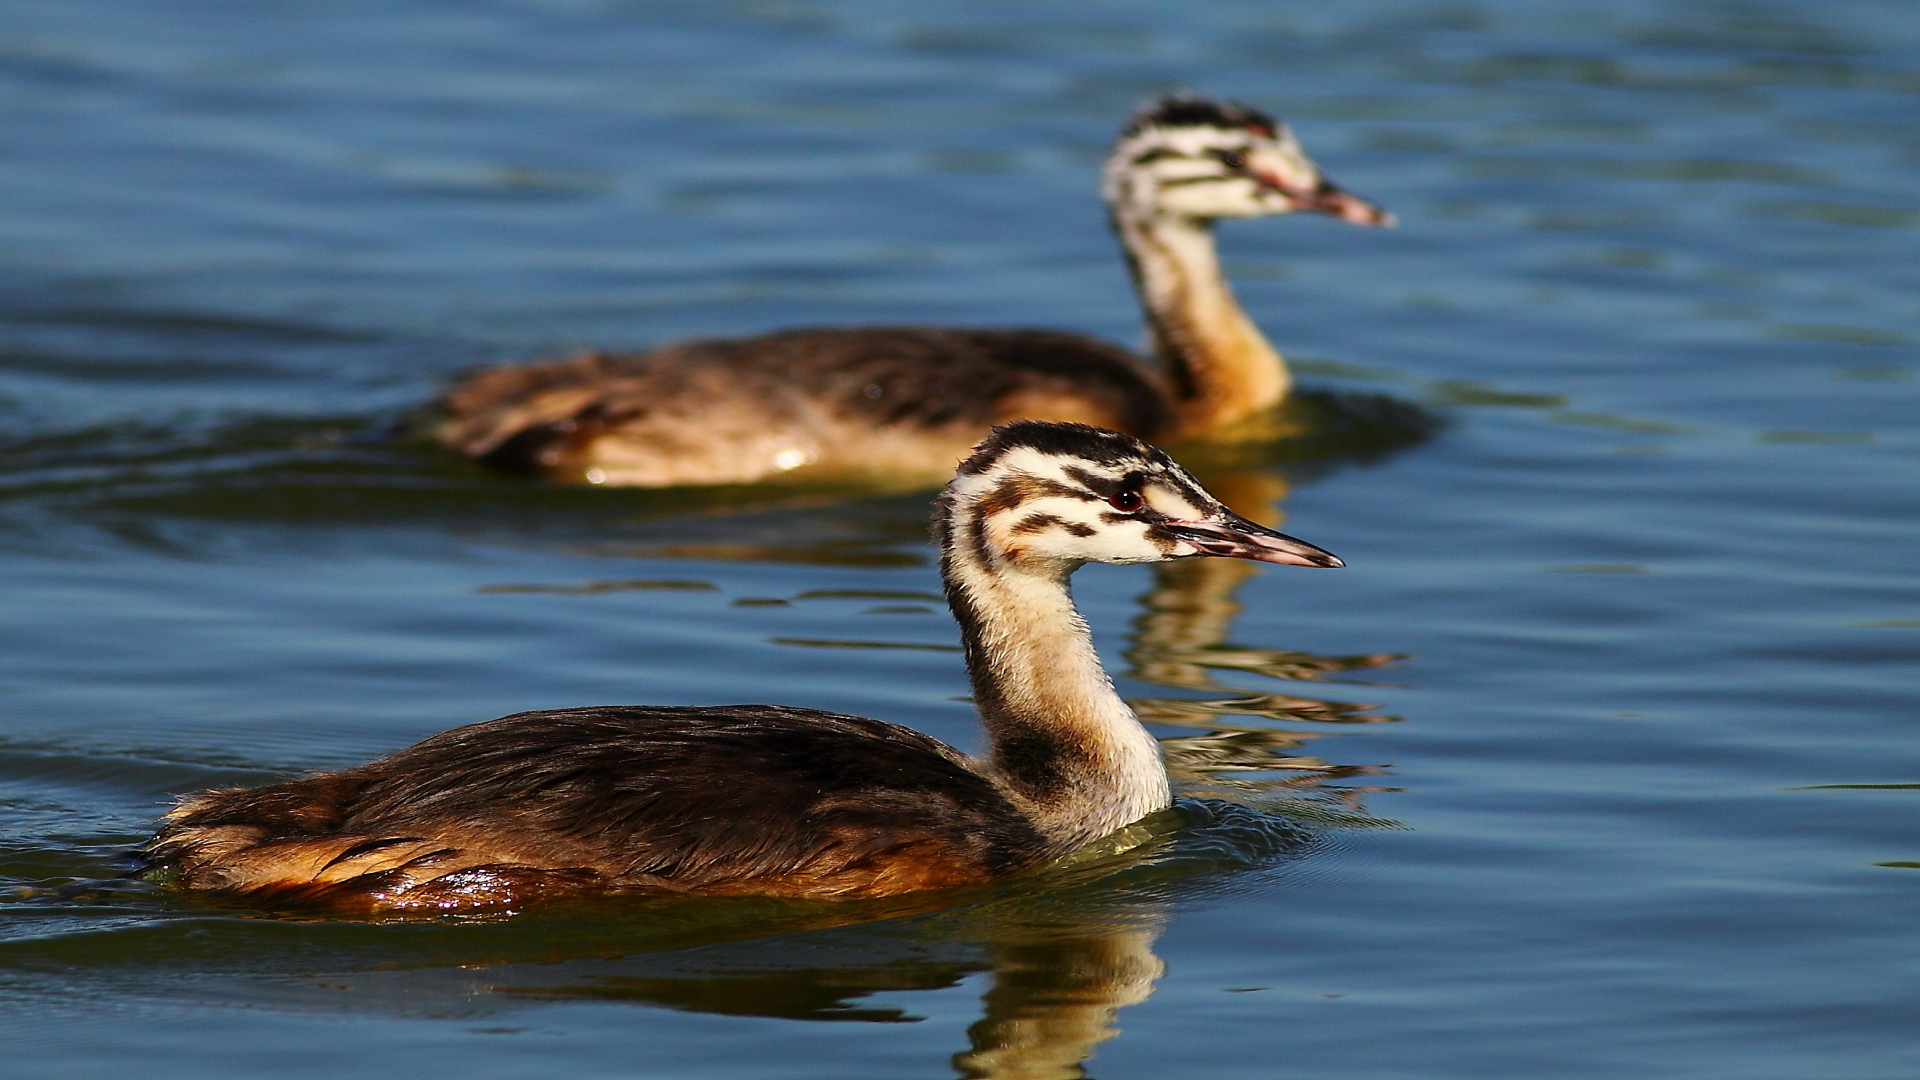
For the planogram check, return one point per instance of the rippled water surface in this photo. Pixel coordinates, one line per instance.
(1599, 761)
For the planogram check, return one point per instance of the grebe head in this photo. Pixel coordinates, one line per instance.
(1047, 497)
(1198, 159)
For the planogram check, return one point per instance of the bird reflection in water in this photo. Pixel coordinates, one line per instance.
(1182, 638)
(1054, 998)
(1058, 975)
(1063, 950)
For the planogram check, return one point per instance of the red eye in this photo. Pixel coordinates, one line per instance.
(1126, 502)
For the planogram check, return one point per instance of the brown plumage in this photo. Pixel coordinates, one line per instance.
(765, 799)
(904, 404)
(609, 799)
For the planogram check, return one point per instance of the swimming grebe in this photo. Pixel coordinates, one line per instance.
(767, 799)
(906, 403)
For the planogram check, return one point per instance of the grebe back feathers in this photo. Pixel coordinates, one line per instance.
(771, 800)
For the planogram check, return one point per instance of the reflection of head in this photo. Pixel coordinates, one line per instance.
(1053, 1001)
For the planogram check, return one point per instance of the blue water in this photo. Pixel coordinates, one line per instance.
(1638, 800)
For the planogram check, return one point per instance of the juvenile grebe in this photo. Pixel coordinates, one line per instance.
(906, 403)
(768, 799)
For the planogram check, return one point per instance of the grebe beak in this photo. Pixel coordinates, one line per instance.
(1238, 538)
(1330, 198)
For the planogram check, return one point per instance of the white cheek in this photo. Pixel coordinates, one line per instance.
(1291, 176)
(1137, 550)
(1217, 200)
(1290, 164)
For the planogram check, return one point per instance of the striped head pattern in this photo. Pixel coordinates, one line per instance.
(1047, 497)
(1199, 159)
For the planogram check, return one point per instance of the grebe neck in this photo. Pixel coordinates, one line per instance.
(1218, 364)
(1061, 742)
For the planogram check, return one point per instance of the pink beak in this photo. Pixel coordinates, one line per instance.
(1329, 198)
(1238, 538)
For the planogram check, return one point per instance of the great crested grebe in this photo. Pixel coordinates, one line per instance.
(906, 403)
(768, 799)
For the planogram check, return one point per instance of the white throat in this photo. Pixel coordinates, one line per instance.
(1062, 742)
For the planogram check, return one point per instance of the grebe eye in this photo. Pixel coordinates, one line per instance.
(1126, 502)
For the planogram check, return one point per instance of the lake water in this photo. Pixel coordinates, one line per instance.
(1636, 516)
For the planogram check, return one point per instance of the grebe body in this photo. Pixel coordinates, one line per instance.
(871, 403)
(909, 402)
(770, 800)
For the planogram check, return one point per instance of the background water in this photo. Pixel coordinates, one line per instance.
(1646, 543)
